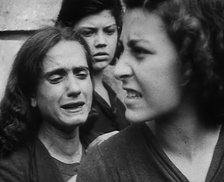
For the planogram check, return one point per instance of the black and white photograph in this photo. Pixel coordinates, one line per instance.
(111, 90)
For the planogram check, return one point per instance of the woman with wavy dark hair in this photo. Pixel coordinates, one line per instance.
(47, 97)
(172, 70)
(99, 23)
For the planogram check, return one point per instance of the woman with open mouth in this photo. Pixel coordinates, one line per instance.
(172, 71)
(99, 23)
(47, 97)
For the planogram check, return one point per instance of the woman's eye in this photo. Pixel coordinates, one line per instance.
(110, 31)
(87, 33)
(82, 74)
(54, 79)
(139, 52)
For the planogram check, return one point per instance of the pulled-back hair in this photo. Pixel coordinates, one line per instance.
(72, 11)
(19, 121)
(197, 30)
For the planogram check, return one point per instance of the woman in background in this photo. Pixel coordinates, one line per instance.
(172, 70)
(48, 96)
(99, 23)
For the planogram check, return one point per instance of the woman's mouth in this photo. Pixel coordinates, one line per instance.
(100, 56)
(132, 94)
(72, 107)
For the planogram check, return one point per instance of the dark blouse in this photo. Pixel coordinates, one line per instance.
(135, 155)
(31, 163)
(103, 118)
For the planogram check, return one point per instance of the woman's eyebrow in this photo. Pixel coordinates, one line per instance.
(60, 71)
(86, 28)
(132, 43)
(111, 25)
(55, 71)
(80, 68)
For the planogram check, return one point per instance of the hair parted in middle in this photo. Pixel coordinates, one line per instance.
(19, 121)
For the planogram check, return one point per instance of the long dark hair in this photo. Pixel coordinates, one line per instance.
(19, 121)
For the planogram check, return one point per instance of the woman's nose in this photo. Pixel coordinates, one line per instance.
(122, 68)
(73, 87)
(100, 40)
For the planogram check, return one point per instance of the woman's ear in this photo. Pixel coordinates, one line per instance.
(186, 76)
(33, 102)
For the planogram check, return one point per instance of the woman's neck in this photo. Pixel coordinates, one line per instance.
(99, 87)
(187, 141)
(98, 77)
(64, 147)
(183, 132)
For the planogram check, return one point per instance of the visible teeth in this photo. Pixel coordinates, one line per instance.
(133, 94)
(72, 106)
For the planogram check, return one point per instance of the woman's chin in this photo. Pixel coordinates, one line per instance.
(137, 117)
(100, 66)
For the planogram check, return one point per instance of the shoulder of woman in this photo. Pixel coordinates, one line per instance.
(117, 143)
(15, 166)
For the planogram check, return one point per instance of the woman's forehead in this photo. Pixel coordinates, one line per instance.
(139, 24)
(103, 18)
